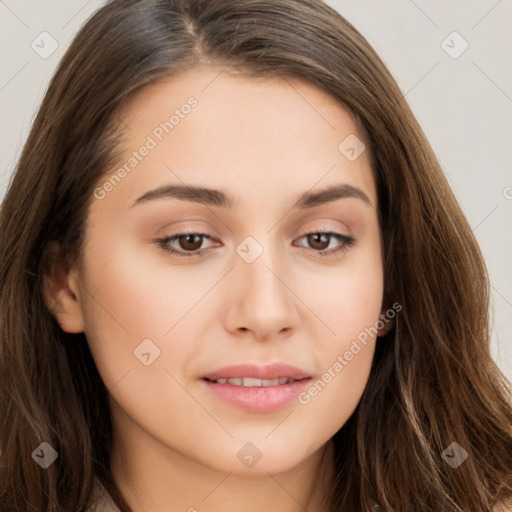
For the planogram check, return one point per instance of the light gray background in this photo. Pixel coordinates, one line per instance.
(464, 104)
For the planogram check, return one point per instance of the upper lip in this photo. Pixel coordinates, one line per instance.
(267, 372)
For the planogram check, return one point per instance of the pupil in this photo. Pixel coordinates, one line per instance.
(189, 240)
(317, 238)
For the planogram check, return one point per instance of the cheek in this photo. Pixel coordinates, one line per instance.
(127, 300)
(136, 303)
(350, 307)
(348, 299)
(130, 304)
(344, 360)
(131, 289)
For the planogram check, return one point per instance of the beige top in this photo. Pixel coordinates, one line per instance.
(104, 502)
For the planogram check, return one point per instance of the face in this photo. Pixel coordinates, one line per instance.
(237, 275)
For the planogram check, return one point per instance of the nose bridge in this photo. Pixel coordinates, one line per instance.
(258, 267)
(262, 301)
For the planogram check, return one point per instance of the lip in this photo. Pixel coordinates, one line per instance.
(267, 372)
(256, 399)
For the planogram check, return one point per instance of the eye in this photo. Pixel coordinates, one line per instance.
(189, 244)
(322, 240)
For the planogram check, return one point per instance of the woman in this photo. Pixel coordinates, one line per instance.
(234, 276)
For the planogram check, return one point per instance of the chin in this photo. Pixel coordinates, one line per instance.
(262, 456)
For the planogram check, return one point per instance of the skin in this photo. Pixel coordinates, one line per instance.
(264, 142)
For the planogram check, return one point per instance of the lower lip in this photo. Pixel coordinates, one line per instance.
(258, 399)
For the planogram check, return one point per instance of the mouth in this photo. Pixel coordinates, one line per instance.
(255, 388)
(252, 382)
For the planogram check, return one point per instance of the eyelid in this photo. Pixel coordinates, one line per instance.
(324, 228)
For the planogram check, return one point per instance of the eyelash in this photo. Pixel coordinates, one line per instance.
(163, 243)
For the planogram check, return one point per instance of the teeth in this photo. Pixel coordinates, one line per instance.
(253, 382)
(273, 382)
(250, 382)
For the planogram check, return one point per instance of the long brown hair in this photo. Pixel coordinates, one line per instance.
(433, 380)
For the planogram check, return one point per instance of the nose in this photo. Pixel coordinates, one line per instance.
(261, 300)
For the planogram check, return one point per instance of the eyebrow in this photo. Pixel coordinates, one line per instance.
(214, 197)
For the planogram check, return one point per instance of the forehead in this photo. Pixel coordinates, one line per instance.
(225, 86)
(255, 135)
